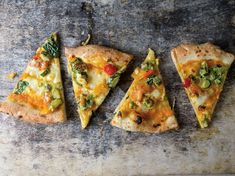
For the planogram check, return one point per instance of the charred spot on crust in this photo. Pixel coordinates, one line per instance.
(156, 125)
(20, 116)
(197, 51)
(191, 76)
(139, 120)
(201, 107)
(196, 94)
(119, 114)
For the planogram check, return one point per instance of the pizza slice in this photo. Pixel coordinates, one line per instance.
(203, 69)
(145, 107)
(94, 71)
(38, 96)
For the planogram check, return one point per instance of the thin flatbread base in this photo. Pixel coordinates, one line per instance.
(31, 115)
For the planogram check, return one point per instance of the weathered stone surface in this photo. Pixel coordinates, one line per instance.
(131, 26)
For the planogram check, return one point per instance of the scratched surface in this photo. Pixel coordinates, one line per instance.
(130, 26)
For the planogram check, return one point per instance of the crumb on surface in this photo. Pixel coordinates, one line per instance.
(12, 75)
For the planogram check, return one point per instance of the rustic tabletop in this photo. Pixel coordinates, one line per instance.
(131, 26)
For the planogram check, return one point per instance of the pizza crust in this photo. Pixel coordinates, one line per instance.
(186, 52)
(108, 54)
(29, 114)
(129, 125)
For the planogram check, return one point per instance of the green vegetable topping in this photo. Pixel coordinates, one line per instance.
(218, 81)
(78, 66)
(51, 46)
(84, 43)
(132, 105)
(153, 79)
(45, 72)
(48, 87)
(21, 86)
(89, 101)
(150, 63)
(45, 56)
(207, 75)
(148, 66)
(113, 80)
(205, 121)
(55, 93)
(204, 69)
(55, 103)
(148, 102)
(212, 76)
(205, 83)
(220, 73)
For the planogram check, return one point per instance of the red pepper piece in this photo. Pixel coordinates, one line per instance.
(149, 73)
(110, 69)
(187, 82)
(36, 57)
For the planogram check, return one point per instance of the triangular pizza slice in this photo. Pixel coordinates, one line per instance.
(145, 107)
(38, 96)
(203, 69)
(94, 70)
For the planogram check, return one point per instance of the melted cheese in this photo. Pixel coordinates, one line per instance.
(32, 71)
(34, 86)
(34, 94)
(156, 93)
(95, 77)
(31, 99)
(96, 60)
(54, 74)
(200, 100)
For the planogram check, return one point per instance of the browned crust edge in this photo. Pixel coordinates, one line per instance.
(186, 52)
(129, 125)
(31, 115)
(89, 50)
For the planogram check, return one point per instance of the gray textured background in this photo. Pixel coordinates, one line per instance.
(130, 26)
